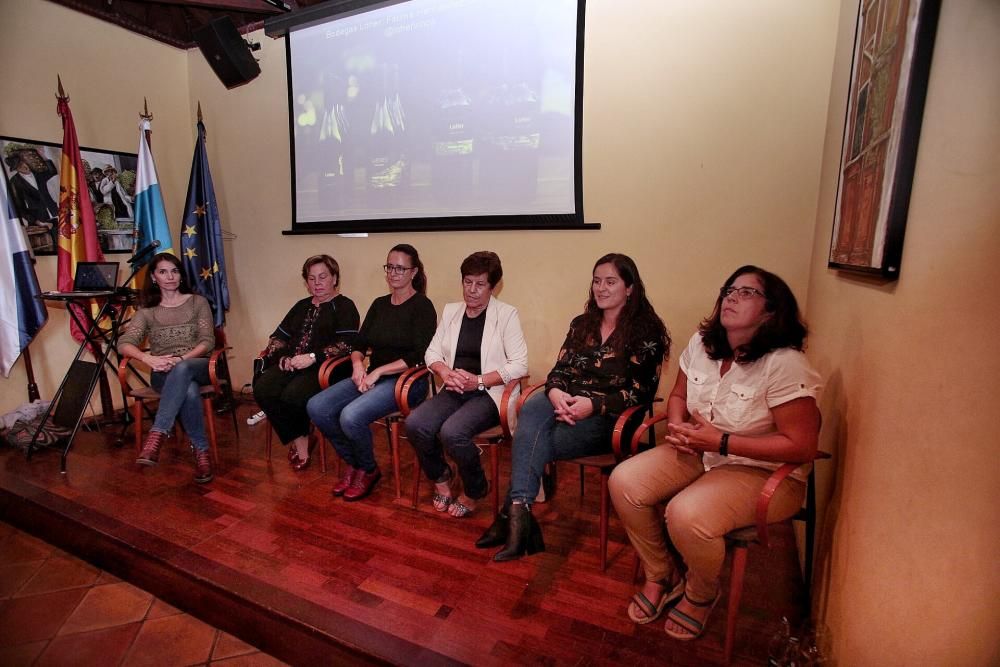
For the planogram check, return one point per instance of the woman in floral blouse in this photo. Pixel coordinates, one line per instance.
(609, 362)
(319, 327)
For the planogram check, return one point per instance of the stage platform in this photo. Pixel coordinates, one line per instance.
(270, 556)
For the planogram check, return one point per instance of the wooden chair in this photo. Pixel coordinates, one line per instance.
(218, 373)
(742, 538)
(325, 372)
(623, 446)
(493, 438)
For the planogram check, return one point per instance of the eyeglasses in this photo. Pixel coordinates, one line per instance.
(395, 268)
(743, 293)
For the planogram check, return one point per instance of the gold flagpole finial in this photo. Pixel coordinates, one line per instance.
(145, 115)
(62, 93)
(199, 111)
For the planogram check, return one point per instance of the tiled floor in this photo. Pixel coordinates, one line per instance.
(56, 609)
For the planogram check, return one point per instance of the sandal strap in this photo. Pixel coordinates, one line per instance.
(692, 625)
(461, 509)
(696, 603)
(648, 609)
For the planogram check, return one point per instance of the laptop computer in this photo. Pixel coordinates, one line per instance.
(92, 279)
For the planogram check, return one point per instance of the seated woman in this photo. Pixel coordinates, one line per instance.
(181, 338)
(478, 347)
(317, 328)
(609, 362)
(744, 402)
(397, 330)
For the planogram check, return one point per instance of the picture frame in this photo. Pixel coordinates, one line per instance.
(32, 170)
(893, 45)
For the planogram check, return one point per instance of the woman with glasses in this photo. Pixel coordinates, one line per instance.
(745, 401)
(394, 337)
(320, 327)
(476, 350)
(609, 362)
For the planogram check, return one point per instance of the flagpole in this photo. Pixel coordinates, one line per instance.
(33, 394)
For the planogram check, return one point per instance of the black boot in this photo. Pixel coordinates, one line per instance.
(496, 534)
(524, 535)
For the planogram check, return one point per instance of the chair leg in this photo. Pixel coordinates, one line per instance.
(416, 488)
(394, 445)
(210, 424)
(321, 445)
(495, 471)
(735, 592)
(605, 501)
(581, 481)
(137, 416)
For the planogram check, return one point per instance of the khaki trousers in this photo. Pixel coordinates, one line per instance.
(701, 508)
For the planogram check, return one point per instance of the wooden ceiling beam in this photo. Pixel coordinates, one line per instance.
(251, 6)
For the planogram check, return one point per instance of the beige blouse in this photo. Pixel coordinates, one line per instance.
(172, 331)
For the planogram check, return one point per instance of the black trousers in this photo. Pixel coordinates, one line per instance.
(283, 395)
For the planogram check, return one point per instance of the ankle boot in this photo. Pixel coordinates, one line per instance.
(150, 453)
(202, 466)
(524, 536)
(496, 534)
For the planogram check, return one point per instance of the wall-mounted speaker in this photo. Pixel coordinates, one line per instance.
(227, 52)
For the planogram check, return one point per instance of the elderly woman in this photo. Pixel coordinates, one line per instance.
(744, 402)
(179, 327)
(609, 362)
(478, 347)
(396, 331)
(319, 327)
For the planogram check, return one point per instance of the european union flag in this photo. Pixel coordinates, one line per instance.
(201, 236)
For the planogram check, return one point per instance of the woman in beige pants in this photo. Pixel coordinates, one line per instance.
(745, 401)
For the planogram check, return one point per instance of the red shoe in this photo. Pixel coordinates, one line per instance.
(150, 453)
(202, 466)
(340, 487)
(362, 484)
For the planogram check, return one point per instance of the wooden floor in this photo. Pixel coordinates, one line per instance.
(270, 556)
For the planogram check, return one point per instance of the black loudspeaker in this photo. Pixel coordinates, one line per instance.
(227, 52)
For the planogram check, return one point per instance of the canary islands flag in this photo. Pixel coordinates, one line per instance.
(202, 256)
(150, 213)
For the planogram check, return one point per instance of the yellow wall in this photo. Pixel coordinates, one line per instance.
(106, 71)
(907, 571)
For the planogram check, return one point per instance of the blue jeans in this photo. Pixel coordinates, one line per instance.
(456, 419)
(344, 415)
(180, 396)
(540, 439)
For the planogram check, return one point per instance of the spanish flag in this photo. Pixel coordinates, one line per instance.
(77, 227)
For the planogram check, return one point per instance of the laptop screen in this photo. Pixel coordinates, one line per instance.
(95, 276)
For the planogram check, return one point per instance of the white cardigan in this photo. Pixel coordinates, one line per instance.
(503, 348)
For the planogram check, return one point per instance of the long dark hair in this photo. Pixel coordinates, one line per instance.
(636, 319)
(419, 280)
(784, 327)
(150, 296)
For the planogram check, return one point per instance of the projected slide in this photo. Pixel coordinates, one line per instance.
(435, 109)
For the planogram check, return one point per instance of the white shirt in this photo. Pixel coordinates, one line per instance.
(740, 402)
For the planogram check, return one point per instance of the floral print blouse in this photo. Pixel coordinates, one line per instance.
(611, 381)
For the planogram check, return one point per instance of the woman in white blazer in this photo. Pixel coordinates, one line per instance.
(477, 349)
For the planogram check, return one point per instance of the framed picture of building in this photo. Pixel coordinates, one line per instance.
(32, 169)
(891, 66)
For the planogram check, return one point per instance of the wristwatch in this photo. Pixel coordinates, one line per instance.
(481, 386)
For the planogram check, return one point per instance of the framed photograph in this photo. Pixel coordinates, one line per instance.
(32, 169)
(892, 58)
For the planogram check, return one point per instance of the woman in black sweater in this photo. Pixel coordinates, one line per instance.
(396, 332)
(317, 328)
